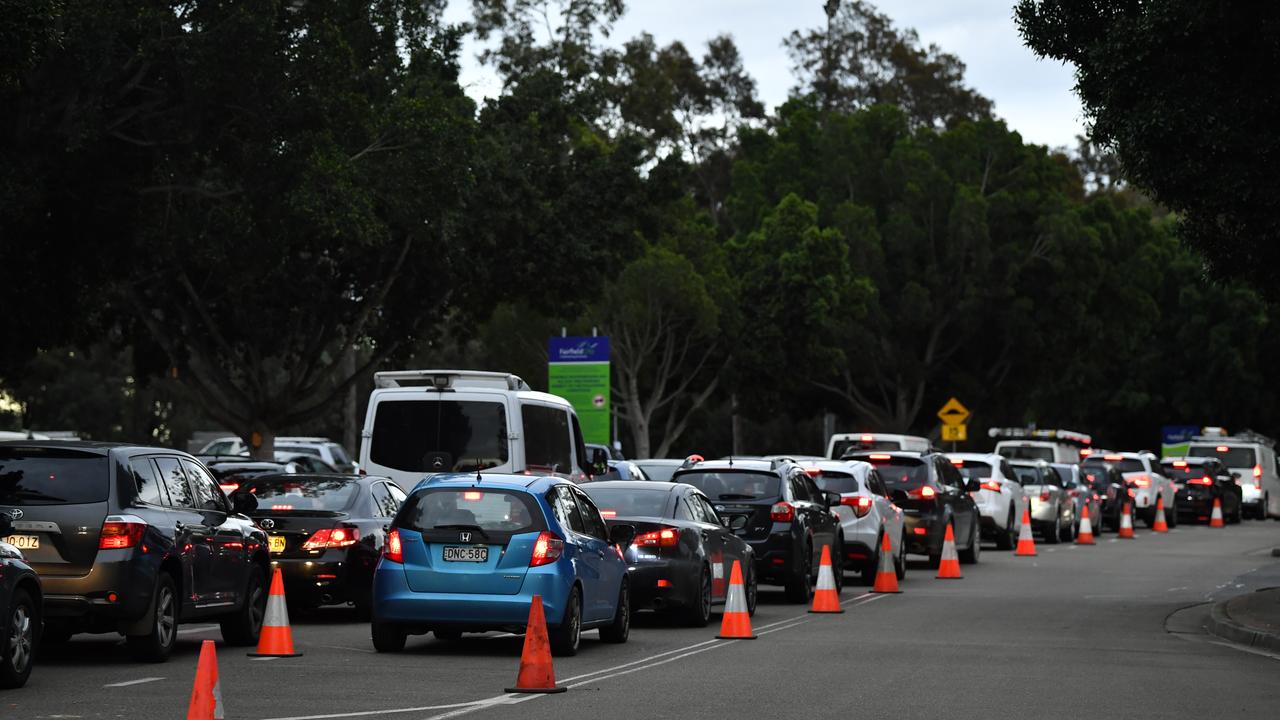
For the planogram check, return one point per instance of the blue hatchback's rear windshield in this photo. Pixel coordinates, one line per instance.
(495, 511)
(52, 476)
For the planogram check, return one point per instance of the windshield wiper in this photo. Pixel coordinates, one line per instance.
(460, 526)
(735, 496)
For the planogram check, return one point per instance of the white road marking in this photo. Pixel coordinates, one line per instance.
(197, 629)
(366, 713)
(344, 647)
(784, 627)
(127, 683)
(265, 659)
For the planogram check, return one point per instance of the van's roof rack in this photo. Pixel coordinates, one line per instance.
(444, 379)
(1031, 433)
(1241, 436)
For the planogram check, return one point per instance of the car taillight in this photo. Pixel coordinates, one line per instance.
(1257, 476)
(861, 505)
(666, 537)
(813, 471)
(546, 549)
(120, 533)
(991, 485)
(1074, 493)
(229, 488)
(924, 492)
(1132, 493)
(339, 537)
(1200, 481)
(1141, 481)
(1044, 496)
(782, 512)
(393, 550)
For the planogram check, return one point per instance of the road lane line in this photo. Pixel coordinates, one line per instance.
(197, 629)
(784, 627)
(366, 713)
(127, 683)
(344, 647)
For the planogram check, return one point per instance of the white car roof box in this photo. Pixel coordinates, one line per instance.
(443, 379)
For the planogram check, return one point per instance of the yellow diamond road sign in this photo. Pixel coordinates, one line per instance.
(953, 413)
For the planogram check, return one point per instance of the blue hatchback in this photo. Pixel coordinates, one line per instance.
(468, 553)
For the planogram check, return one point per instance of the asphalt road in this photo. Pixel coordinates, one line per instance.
(1078, 632)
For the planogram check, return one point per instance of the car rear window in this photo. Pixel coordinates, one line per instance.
(974, 469)
(837, 482)
(294, 494)
(625, 502)
(1232, 457)
(463, 435)
(843, 447)
(1184, 472)
(1125, 465)
(900, 473)
(495, 511)
(734, 484)
(52, 476)
(660, 472)
(299, 449)
(1027, 475)
(1026, 452)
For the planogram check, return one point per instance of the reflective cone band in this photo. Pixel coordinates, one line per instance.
(537, 675)
(886, 575)
(1160, 525)
(1215, 520)
(826, 599)
(1126, 523)
(206, 694)
(1026, 543)
(276, 639)
(1085, 536)
(949, 567)
(736, 621)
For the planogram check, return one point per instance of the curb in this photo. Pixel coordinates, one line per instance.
(1221, 623)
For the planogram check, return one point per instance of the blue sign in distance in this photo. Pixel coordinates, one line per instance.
(1178, 434)
(578, 349)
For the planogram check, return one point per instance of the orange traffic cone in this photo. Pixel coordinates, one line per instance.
(1160, 525)
(276, 639)
(1126, 523)
(886, 575)
(537, 675)
(1215, 520)
(1026, 543)
(826, 599)
(206, 694)
(949, 567)
(736, 622)
(1085, 536)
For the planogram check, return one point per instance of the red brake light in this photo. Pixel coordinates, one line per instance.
(924, 492)
(861, 505)
(991, 485)
(1142, 481)
(782, 512)
(1074, 493)
(608, 513)
(813, 471)
(473, 495)
(1221, 448)
(282, 508)
(875, 456)
(1085, 452)
(546, 549)
(1044, 496)
(118, 534)
(920, 531)
(1257, 471)
(1200, 481)
(394, 551)
(339, 537)
(229, 488)
(868, 438)
(1180, 463)
(957, 462)
(666, 537)
(1113, 458)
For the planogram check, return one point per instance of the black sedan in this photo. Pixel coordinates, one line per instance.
(1201, 480)
(232, 470)
(325, 532)
(682, 554)
(1108, 482)
(20, 600)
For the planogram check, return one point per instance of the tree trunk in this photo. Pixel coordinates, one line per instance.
(640, 434)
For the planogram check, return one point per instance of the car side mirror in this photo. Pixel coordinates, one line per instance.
(599, 461)
(973, 485)
(6, 524)
(622, 535)
(725, 521)
(831, 498)
(244, 503)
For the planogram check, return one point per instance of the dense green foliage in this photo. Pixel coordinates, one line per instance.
(239, 239)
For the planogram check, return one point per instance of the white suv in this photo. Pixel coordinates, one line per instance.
(422, 422)
(999, 500)
(866, 513)
(1251, 459)
(1146, 482)
(842, 444)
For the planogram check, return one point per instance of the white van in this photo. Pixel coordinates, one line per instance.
(422, 422)
(1251, 458)
(842, 444)
(1052, 446)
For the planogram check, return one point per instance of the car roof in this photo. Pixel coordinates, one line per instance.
(891, 453)
(660, 461)
(1023, 462)
(90, 446)
(1190, 460)
(741, 465)
(635, 485)
(497, 481)
(985, 457)
(320, 476)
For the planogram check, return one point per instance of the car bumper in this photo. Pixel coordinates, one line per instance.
(314, 582)
(658, 586)
(87, 599)
(395, 602)
(1252, 495)
(1041, 511)
(922, 534)
(775, 557)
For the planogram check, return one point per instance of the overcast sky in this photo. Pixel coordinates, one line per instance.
(1033, 96)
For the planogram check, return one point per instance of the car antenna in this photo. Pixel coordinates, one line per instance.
(730, 461)
(477, 471)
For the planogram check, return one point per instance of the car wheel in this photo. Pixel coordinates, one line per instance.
(752, 591)
(243, 626)
(1053, 530)
(1171, 514)
(1068, 533)
(698, 614)
(619, 630)
(157, 643)
(970, 556)
(566, 636)
(872, 566)
(18, 641)
(1009, 537)
(900, 565)
(800, 584)
(388, 637)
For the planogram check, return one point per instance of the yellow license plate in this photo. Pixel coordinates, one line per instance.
(276, 543)
(23, 542)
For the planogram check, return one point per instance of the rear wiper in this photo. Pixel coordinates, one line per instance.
(459, 526)
(735, 496)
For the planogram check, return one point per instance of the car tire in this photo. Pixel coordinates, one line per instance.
(619, 630)
(970, 555)
(752, 591)
(19, 636)
(157, 644)
(872, 566)
(698, 614)
(1007, 538)
(1052, 532)
(387, 637)
(800, 584)
(900, 564)
(1068, 533)
(567, 636)
(243, 626)
(837, 565)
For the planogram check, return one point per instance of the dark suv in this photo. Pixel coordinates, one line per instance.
(932, 494)
(779, 510)
(132, 540)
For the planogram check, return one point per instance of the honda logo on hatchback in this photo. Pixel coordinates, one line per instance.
(464, 537)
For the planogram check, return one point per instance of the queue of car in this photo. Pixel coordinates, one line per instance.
(475, 494)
